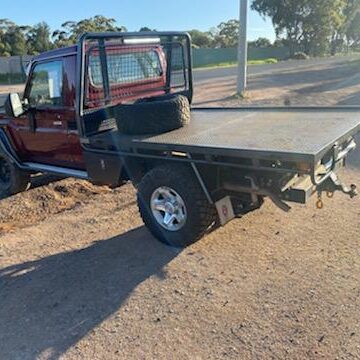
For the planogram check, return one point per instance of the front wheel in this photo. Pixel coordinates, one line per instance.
(12, 179)
(173, 205)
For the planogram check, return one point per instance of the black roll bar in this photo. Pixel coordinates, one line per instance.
(101, 37)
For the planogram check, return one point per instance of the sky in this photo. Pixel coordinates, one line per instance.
(158, 14)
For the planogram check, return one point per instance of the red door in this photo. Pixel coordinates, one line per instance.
(43, 132)
(43, 136)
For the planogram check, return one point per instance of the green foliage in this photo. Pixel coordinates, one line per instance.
(12, 38)
(351, 27)
(201, 39)
(264, 61)
(280, 43)
(234, 63)
(226, 35)
(146, 29)
(32, 40)
(260, 42)
(39, 39)
(314, 26)
(71, 30)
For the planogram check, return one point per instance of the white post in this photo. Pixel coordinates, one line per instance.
(242, 54)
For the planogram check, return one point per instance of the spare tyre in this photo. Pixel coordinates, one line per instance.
(157, 98)
(153, 117)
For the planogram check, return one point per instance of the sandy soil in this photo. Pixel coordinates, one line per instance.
(81, 278)
(5, 89)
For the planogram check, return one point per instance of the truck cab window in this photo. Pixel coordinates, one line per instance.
(126, 68)
(46, 86)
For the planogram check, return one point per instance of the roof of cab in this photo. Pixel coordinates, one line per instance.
(66, 51)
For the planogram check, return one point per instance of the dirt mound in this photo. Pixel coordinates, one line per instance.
(37, 204)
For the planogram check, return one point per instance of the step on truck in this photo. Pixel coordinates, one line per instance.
(117, 107)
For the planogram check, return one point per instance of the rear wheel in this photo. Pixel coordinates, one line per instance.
(173, 205)
(12, 179)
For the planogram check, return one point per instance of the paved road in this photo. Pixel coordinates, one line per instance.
(204, 75)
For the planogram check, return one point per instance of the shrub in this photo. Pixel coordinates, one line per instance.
(271, 61)
(300, 56)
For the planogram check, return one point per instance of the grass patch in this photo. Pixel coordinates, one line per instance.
(262, 62)
(234, 63)
(222, 64)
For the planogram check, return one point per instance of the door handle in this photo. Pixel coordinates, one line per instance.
(58, 121)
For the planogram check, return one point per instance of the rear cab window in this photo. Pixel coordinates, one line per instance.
(127, 68)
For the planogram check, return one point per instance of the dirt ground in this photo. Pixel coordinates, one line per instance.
(81, 278)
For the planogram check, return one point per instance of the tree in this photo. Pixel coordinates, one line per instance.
(226, 34)
(322, 26)
(280, 42)
(70, 31)
(229, 33)
(351, 25)
(146, 29)
(309, 23)
(16, 38)
(261, 42)
(13, 38)
(39, 38)
(200, 39)
(4, 47)
(287, 18)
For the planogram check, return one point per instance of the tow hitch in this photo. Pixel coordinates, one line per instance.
(332, 184)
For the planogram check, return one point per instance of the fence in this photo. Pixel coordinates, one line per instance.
(12, 69)
(204, 57)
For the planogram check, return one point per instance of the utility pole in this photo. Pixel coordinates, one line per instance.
(242, 53)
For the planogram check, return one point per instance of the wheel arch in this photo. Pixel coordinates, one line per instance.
(7, 148)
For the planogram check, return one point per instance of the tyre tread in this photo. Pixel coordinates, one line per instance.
(185, 179)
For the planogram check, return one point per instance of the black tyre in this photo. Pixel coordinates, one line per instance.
(153, 117)
(12, 179)
(173, 205)
(157, 98)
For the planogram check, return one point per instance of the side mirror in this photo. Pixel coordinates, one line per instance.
(14, 106)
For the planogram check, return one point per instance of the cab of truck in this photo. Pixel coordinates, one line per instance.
(47, 132)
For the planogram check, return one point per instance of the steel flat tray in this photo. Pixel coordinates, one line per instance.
(289, 134)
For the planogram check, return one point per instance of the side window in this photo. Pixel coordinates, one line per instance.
(46, 86)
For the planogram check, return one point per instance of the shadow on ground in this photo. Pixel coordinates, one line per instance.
(327, 77)
(42, 180)
(49, 304)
